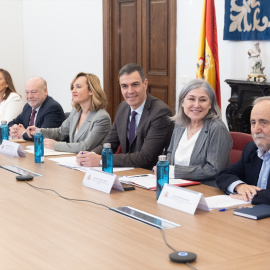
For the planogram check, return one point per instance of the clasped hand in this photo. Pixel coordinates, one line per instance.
(245, 192)
(16, 131)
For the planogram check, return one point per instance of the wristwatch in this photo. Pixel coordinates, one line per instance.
(100, 162)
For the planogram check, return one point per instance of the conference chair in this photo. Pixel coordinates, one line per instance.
(67, 114)
(119, 150)
(239, 142)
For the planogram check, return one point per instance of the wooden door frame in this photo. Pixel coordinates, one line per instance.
(108, 50)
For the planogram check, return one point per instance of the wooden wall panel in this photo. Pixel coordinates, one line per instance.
(158, 38)
(127, 33)
(144, 32)
(159, 91)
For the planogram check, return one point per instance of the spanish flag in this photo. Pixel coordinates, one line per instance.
(207, 61)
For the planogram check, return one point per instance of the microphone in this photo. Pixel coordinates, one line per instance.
(182, 256)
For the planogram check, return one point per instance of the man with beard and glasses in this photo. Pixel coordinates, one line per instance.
(248, 179)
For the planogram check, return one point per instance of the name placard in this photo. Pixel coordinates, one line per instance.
(11, 149)
(182, 199)
(101, 181)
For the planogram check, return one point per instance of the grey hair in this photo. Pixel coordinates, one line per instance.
(260, 99)
(43, 82)
(130, 68)
(181, 118)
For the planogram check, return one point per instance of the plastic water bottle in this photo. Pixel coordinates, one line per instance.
(39, 146)
(107, 158)
(4, 130)
(162, 173)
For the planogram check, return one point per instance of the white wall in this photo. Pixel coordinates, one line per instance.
(11, 41)
(62, 38)
(56, 39)
(233, 57)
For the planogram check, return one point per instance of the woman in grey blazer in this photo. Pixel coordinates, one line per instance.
(88, 122)
(201, 143)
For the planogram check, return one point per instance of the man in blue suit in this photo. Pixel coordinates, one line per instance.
(40, 110)
(249, 179)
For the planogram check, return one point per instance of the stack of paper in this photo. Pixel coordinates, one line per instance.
(149, 181)
(223, 201)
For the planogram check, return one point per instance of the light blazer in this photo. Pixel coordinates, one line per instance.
(50, 115)
(152, 135)
(210, 155)
(248, 170)
(93, 130)
(11, 107)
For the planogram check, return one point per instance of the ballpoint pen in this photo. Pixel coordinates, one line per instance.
(142, 175)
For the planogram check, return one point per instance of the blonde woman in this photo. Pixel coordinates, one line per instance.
(88, 122)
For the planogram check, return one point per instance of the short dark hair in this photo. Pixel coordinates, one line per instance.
(130, 68)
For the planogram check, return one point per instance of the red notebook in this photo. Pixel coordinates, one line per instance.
(148, 181)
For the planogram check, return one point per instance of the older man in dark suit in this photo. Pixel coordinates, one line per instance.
(249, 178)
(41, 110)
(142, 125)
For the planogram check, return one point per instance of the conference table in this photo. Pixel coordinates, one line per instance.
(40, 230)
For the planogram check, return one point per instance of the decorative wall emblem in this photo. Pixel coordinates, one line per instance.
(247, 20)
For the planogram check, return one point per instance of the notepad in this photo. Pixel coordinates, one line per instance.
(149, 181)
(254, 212)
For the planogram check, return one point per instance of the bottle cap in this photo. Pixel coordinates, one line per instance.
(107, 145)
(38, 130)
(162, 158)
(3, 122)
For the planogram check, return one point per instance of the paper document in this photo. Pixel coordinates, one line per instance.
(70, 162)
(11, 149)
(149, 181)
(47, 152)
(223, 201)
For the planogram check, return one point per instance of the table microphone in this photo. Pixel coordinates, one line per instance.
(24, 177)
(182, 256)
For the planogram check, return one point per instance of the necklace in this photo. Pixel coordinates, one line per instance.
(194, 130)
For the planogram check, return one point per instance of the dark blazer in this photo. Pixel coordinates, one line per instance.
(210, 155)
(153, 134)
(50, 115)
(248, 170)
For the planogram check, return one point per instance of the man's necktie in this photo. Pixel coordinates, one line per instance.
(132, 127)
(32, 118)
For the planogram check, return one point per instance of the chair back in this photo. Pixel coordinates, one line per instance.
(119, 150)
(239, 142)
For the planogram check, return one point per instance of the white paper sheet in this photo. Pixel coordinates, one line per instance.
(70, 162)
(223, 201)
(47, 152)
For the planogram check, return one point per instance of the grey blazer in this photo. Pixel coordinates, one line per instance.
(210, 155)
(93, 130)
